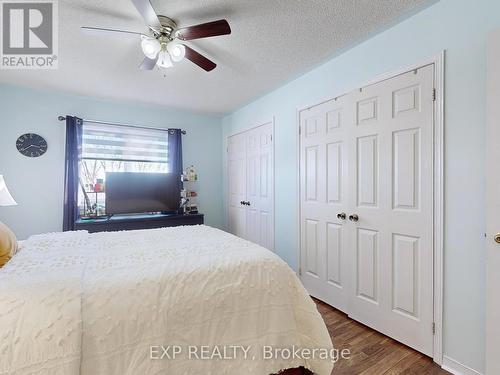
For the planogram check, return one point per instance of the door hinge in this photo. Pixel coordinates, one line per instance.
(434, 95)
(433, 328)
(300, 129)
(300, 271)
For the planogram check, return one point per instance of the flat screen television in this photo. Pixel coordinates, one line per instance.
(129, 193)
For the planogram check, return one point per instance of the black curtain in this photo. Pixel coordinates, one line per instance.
(74, 130)
(175, 151)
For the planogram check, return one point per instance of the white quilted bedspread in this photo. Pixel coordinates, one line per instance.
(77, 303)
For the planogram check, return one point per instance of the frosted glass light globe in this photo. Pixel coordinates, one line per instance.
(176, 51)
(164, 60)
(150, 47)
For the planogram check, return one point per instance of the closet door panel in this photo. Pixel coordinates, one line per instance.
(392, 197)
(250, 169)
(323, 186)
(253, 185)
(260, 185)
(237, 185)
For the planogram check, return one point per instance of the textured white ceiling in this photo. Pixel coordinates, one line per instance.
(271, 42)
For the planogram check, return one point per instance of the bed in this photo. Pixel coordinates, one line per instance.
(112, 303)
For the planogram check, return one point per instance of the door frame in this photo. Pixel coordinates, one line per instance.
(226, 139)
(438, 188)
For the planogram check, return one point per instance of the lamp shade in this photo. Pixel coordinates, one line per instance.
(5, 197)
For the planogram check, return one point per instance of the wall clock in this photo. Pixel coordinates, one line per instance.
(31, 145)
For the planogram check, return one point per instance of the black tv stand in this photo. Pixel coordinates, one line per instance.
(132, 222)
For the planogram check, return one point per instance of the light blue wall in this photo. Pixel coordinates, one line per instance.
(37, 184)
(459, 27)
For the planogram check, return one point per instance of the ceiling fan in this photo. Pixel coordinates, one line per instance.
(161, 47)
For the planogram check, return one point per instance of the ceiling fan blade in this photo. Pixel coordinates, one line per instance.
(204, 30)
(199, 59)
(147, 12)
(101, 31)
(148, 64)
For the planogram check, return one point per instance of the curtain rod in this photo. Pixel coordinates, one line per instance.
(63, 118)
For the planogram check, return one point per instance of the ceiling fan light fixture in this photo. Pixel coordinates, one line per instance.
(159, 46)
(150, 47)
(176, 51)
(164, 60)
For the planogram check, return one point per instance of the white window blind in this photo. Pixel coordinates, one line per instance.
(122, 143)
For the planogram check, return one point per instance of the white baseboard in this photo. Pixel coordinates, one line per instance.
(457, 368)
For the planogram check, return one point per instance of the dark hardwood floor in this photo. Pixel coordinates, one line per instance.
(372, 353)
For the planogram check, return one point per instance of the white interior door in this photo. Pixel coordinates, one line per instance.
(323, 166)
(493, 209)
(391, 185)
(378, 156)
(251, 185)
(237, 185)
(260, 185)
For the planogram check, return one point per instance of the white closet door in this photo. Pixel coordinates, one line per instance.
(323, 180)
(237, 185)
(260, 186)
(390, 181)
(251, 185)
(493, 207)
(370, 154)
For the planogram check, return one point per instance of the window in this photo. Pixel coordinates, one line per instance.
(112, 148)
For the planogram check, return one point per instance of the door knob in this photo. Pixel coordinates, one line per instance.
(354, 217)
(242, 202)
(341, 216)
(496, 237)
(248, 203)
